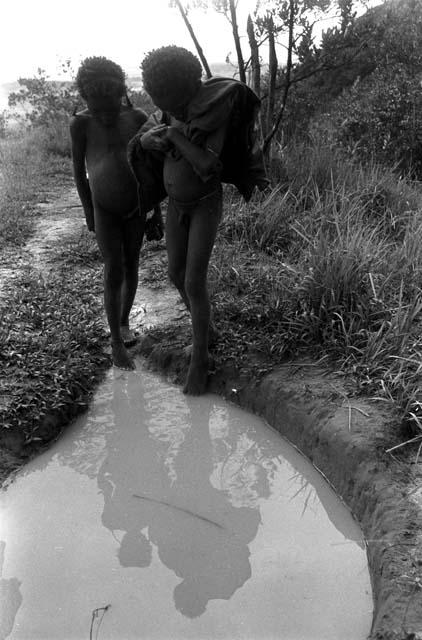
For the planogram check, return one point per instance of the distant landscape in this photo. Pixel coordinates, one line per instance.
(135, 82)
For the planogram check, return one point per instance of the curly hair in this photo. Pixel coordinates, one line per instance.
(98, 76)
(171, 71)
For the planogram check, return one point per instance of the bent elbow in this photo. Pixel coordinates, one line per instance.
(212, 168)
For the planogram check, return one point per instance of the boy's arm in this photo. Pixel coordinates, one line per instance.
(205, 161)
(78, 140)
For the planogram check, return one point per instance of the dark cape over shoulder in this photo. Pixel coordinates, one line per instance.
(147, 167)
(242, 158)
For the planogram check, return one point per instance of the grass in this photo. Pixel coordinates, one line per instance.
(27, 167)
(328, 265)
(52, 337)
(52, 348)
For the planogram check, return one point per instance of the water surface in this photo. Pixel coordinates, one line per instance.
(189, 517)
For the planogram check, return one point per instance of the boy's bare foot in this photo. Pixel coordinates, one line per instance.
(188, 355)
(121, 358)
(129, 336)
(197, 378)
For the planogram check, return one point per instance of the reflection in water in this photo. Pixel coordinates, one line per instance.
(10, 599)
(151, 486)
(191, 518)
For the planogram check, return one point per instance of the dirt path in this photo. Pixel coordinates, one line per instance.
(306, 404)
(61, 218)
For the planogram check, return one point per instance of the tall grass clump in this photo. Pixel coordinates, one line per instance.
(29, 160)
(337, 270)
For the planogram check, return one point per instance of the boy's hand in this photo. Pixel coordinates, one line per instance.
(156, 139)
(172, 133)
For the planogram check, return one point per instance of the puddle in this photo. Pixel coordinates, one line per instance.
(191, 518)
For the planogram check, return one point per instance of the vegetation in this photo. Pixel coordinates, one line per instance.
(328, 263)
(330, 266)
(52, 339)
(27, 165)
(51, 349)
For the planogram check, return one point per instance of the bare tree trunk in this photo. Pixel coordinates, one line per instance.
(256, 66)
(287, 81)
(235, 29)
(272, 64)
(194, 38)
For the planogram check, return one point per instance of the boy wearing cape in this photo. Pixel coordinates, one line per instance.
(203, 136)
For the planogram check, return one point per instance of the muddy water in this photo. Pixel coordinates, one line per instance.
(189, 517)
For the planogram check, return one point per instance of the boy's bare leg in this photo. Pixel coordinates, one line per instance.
(177, 239)
(109, 240)
(202, 231)
(132, 242)
(177, 236)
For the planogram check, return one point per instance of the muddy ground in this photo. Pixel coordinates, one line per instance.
(344, 437)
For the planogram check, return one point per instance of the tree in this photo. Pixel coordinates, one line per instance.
(44, 101)
(290, 25)
(255, 61)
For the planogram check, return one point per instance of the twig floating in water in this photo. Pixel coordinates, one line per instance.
(173, 506)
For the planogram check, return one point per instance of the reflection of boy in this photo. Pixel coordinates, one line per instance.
(208, 138)
(100, 135)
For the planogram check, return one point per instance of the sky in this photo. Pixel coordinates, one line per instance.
(41, 33)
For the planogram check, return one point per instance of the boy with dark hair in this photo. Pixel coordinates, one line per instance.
(205, 137)
(110, 193)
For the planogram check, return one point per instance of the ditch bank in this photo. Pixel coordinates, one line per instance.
(343, 437)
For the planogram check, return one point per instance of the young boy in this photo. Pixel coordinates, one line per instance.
(207, 138)
(109, 193)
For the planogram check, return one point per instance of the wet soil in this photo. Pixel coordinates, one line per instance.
(345, 438)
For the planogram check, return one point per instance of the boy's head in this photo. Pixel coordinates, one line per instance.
(101, 83)
(171, 75)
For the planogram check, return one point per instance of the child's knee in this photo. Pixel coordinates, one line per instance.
(131, 266)
(113, 275)
(195, 287)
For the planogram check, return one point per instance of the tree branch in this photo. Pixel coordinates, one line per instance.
(288, 75)
(235, 30)
(195, 40)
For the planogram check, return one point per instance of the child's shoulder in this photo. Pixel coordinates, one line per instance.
(136, 114)
(79, 120)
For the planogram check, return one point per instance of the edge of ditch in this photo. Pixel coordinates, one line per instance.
(307, 405)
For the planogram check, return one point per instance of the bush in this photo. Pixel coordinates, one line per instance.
(381, 118)
(44, 102)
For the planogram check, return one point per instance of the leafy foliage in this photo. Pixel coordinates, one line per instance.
(386, 40)
(381, 117)
(42, 102)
